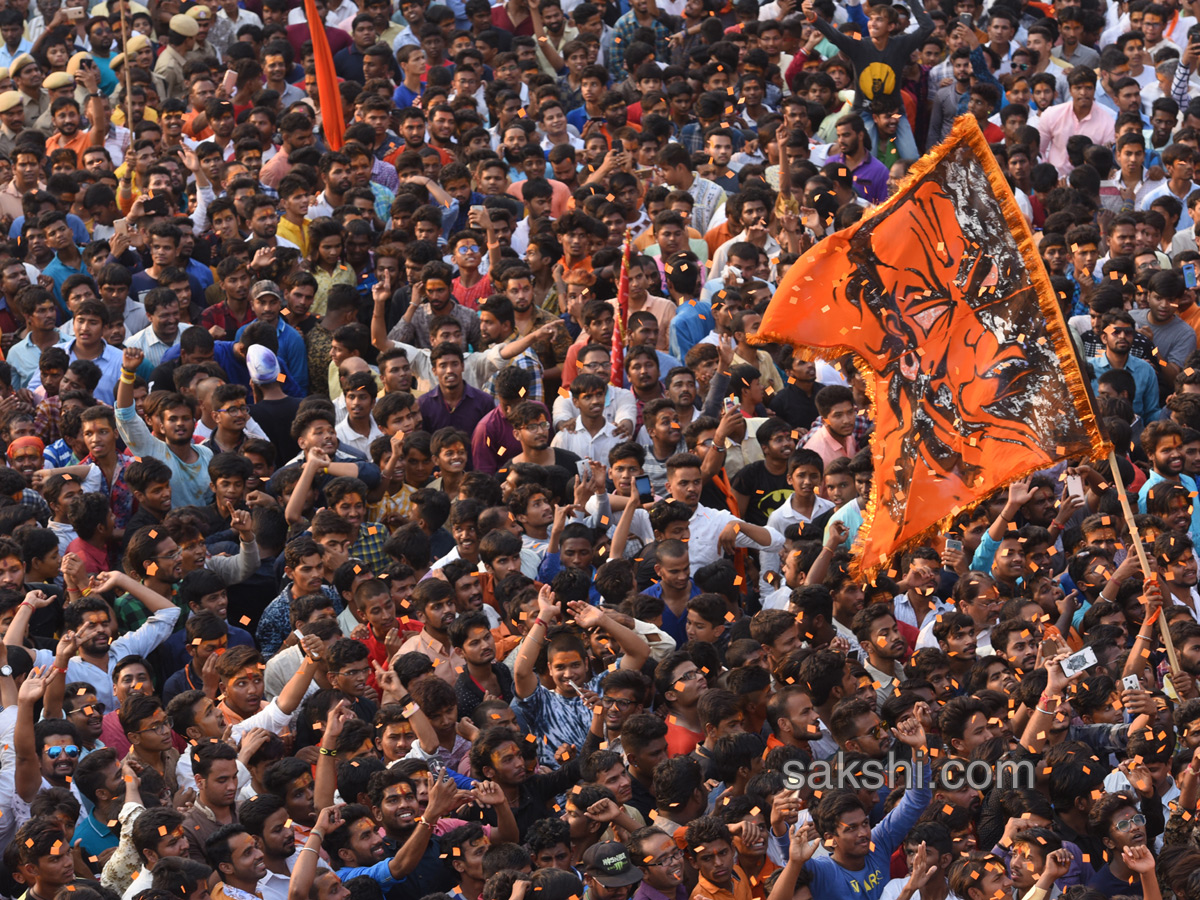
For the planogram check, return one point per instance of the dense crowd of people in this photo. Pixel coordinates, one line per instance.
(401, 507)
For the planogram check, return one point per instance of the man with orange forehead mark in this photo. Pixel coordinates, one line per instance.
(25, 455)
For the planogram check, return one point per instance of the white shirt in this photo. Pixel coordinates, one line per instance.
(244, 17)
(529, 566)
(298, 17)
(139, 884)
(779, 519)
(705, 530)
(347, 435)
(274, 886)
(619, 406)
(903, 610)
(141, 642)
(983, 640)
(588, 446)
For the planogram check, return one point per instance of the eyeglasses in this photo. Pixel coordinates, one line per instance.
(878, 732)
(469, 248)
(92, 709)
(708, 443)
(355, 673)
(177, 554)
(674, 856)
(690, 676)
(242, 410)
(621, 705)
(160, 727)
(1135, 821)
(55, 752)
(538, 426)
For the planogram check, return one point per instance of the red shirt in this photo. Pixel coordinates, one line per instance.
(220, 314)
(95, 561)
(501, 20)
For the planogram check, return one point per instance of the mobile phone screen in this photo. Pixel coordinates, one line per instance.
(645, 491)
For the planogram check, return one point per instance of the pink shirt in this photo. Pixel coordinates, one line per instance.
(1059, 123)
(829, 447)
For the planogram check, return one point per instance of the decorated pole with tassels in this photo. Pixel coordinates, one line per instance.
(332, 120)
(621, 319)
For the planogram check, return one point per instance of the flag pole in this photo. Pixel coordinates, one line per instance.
(1136, 540)
(620, 320)
(125, 70)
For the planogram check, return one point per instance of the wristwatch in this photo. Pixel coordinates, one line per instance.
(6, 671)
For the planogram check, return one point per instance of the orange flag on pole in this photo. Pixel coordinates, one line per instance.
(940, 296)
(332, 120)
(621, 323)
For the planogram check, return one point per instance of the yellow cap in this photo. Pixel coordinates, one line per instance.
(20, 62)
(56, 80)
(184, 25)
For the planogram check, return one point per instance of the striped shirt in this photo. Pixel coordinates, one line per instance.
(558, 719)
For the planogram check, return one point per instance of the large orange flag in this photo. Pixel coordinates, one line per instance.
(332, 120)
(941, 296)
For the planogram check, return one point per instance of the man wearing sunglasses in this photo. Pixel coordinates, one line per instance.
(1118, 820)
(46, 753)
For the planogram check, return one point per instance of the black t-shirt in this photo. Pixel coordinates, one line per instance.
(793, 405)
(275, 418)
(767, 492)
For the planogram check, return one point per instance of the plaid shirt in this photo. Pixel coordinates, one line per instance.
(369, 546)
(46, 418)
(132, 615)
(623, 34)
(862, 428)
(275, 624)
(120, 497)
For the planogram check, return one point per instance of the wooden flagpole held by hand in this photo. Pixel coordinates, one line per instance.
(125, 70)
(1136, 540)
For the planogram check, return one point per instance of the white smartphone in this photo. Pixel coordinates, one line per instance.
(584, 468)
(954, 545)
(1131, 683)
(1075, 486)
(229, 81)
(1079, 662)
(74, 13)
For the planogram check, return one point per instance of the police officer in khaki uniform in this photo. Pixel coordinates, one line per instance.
(28, 77)
(181, 39)
(12, 120)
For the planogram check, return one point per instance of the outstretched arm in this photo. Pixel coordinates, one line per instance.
(526, 680)
(634, 647)
(305, 870)
(28, 772)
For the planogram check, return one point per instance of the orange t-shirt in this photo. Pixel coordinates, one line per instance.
(681, 740)
(188, 118)
(79, 143)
